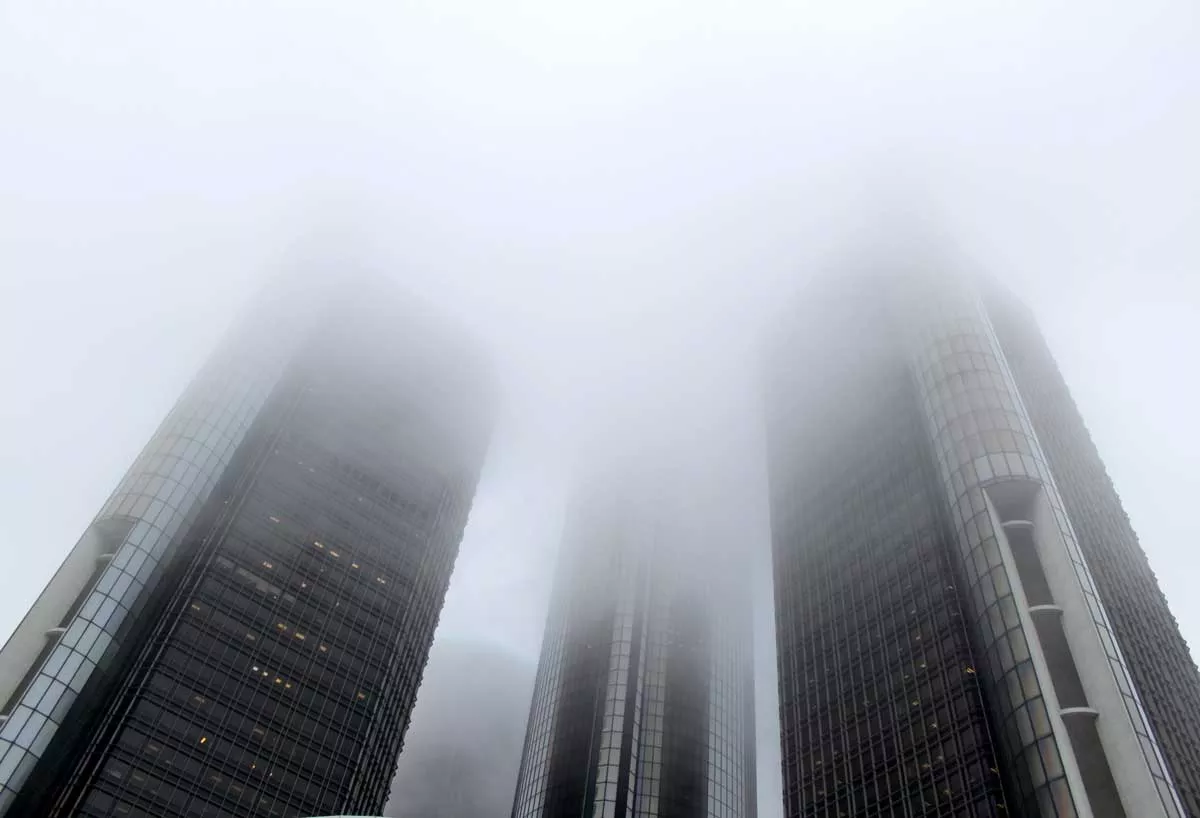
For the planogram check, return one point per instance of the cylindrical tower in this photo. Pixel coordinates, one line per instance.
(643, 704)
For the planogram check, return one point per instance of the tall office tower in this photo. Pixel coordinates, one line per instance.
(643, 703)
(965, 624)
(242, 629)
(1157, 657)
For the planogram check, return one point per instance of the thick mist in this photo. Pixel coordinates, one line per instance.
(613, 199)
(463, 749)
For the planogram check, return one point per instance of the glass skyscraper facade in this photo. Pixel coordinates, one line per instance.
(1158, 659)
(242, 630)
(643, 703)
(951, 641)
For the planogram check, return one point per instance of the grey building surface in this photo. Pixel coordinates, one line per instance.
(966, 625)
(643, 702)
(242, 629)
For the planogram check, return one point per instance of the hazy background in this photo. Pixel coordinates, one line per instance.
(611, 196)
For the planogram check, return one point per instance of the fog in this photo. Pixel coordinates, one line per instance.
(463, 749)
(613, 198)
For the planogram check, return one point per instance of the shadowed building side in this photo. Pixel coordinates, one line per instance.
(880, 707)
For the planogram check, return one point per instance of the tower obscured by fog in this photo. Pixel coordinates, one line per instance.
(461, 755)
(643, 704)
(242, 629)
(966, 623)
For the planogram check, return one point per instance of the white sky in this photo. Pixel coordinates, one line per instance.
(611, 195)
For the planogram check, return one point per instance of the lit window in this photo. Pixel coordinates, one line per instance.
(195, 607)
(969, 670)
(318, 544)
(274, 519)
(204, 739)
(362, 696)
(354, 565)
(333, 553)
(381, 580)
(266, 564)
(299, 636)
(324, 649)
(278, 681)
(281, 626)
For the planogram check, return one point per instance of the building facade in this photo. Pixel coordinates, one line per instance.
(965, 623)
(1159, 662)
(242, 629)
(643, 702)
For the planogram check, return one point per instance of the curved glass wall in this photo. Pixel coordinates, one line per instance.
(141, 525)
(1156, 654)
(902, 456)
(982, 439)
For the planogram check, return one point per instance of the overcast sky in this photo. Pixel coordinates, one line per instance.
(612, 196)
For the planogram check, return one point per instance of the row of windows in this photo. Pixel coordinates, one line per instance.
(335, 638)
(881, 713)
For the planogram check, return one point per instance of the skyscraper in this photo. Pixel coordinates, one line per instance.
(242, 629)
(965, 623)
(643, 703)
